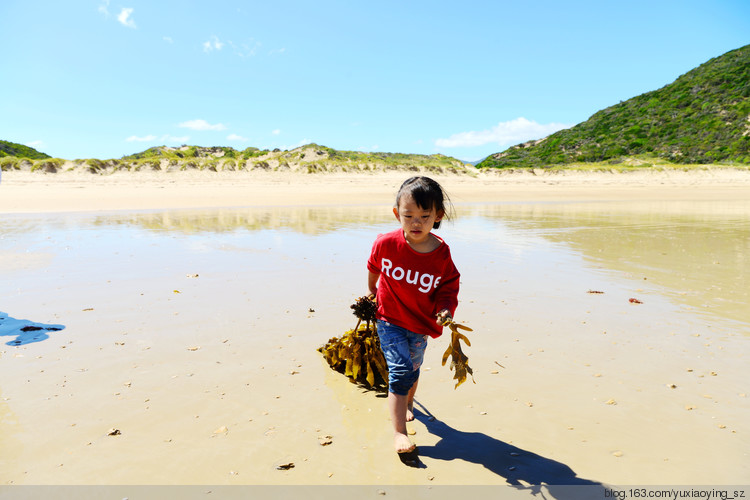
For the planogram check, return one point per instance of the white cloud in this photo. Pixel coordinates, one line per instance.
(504, 133)
(276, 131)
(212, 43)
(235, 137)
(146, 138)
(104, 8)
(125, 19)
(167, 39)
(201, 125)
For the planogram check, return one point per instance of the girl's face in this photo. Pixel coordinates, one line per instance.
(415, 220)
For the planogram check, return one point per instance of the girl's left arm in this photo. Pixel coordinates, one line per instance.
(446, 296)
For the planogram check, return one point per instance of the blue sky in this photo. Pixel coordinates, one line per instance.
(107, 78)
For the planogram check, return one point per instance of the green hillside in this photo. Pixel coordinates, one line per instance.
(702, 117)
(311, 157)
(20, 151)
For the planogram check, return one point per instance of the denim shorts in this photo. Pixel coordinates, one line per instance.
(404, 353)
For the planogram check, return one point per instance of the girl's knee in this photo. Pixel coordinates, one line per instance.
(402, 381)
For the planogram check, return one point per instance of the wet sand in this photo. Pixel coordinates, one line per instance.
(200, 349)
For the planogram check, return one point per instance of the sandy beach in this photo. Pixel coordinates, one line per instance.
(25, 192)
(189, 307)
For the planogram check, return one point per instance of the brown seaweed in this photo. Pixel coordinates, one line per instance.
(459, 360)
(357, 353)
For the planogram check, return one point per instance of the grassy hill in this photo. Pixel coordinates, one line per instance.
(310, 158)
(702, 117)
(20, 151)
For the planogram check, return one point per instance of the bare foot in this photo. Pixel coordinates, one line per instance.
(403, 443)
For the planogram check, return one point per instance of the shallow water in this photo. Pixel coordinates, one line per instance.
(179, 322)
(695, 256)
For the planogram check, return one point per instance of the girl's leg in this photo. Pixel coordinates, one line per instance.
(410, 402)
(397, 409)
(403, 351)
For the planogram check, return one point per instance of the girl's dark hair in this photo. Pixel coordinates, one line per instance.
(427, 194)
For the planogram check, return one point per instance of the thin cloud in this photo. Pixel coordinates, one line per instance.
(212, 43)
(276, 131)
(201, 125)
(146, 138)
(504, 133)
(35, 144)
(170, 138)
(125, 19)
(167, 39)
(249, 49)
(276, 51)
(235, 137)
(104, 9)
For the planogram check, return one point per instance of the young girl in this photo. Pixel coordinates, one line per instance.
(411, 273)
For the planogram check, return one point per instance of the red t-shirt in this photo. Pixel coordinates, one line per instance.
(413, 287)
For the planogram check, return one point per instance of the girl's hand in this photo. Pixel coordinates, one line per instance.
(443, 317)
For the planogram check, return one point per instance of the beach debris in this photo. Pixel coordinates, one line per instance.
(594, 291)
(192, 275)
(193, 348)
(221, 430)
(459, 360)
(286, 466)
(672, 386)
(176, 291)
(357, 353)
(634, 301)
(618, 453)
(114, 432)
(325, 440)
(611, 402)
(87, 309)
(498, 364)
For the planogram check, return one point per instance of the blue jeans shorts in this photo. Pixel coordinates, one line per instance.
(404, 353)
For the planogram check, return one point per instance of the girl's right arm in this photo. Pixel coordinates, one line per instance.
(372, 282)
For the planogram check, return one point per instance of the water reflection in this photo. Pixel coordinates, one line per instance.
(305, 220)
(695, 253)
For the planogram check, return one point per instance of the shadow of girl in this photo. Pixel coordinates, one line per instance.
(520, 468)
(25, 331)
